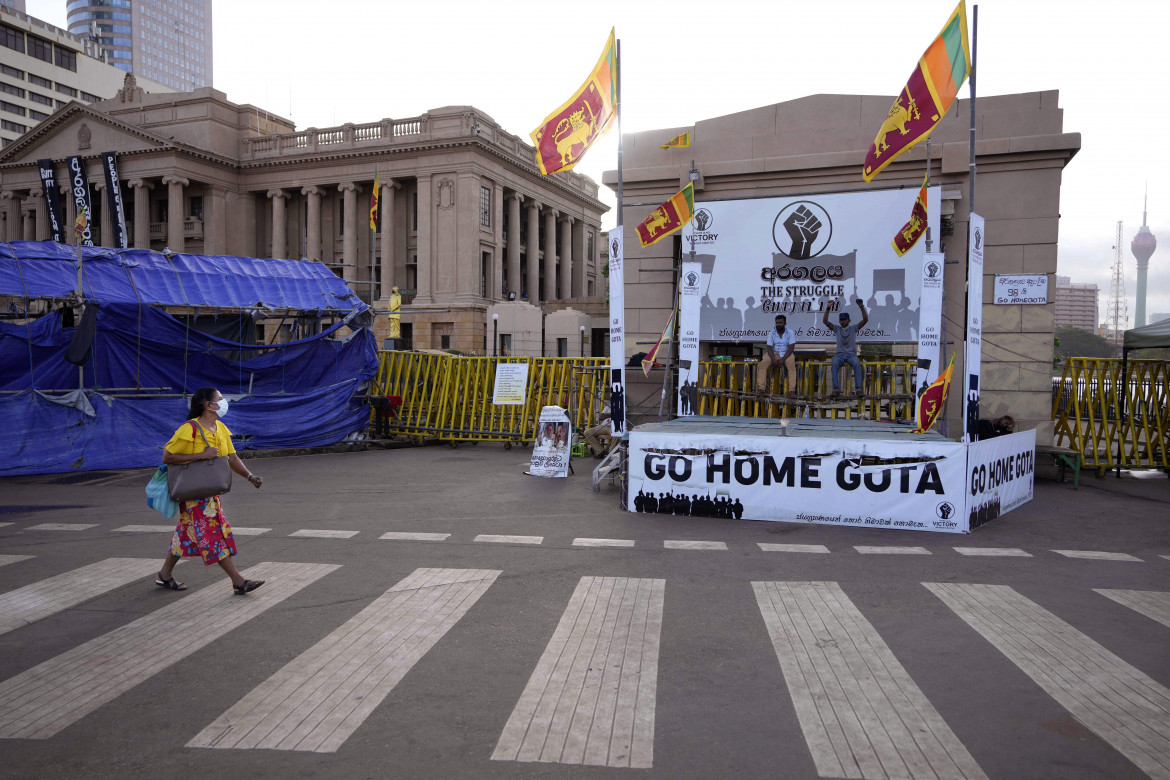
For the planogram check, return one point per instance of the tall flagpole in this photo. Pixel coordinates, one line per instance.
(970, 211)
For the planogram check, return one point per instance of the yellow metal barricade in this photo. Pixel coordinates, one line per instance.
(1110, 419)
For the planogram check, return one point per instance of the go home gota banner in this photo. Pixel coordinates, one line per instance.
(617, 332)
(799, 255)
(930, 328)
(689, 292)
(1000, 476)
(917, 485)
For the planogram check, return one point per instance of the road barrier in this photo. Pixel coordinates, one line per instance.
(1114, 421)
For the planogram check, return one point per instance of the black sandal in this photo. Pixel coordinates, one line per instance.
(247, 587)
(169, 584)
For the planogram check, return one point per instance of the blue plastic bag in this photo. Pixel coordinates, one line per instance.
(158, 495)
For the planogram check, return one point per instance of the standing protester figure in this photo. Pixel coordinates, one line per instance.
(203, 528)
(780, 350)
(846, 347)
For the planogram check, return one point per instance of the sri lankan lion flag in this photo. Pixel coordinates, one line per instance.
(912, 231)
(668, 217)
(374, 203)
(565, 135)
(927, 96)
(934, 399)
(678, 142)
(82, 221)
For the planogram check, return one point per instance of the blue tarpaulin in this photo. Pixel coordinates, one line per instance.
(296, 394)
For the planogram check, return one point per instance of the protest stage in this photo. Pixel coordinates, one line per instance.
(827, 471)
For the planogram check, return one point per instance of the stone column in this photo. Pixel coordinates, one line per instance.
(28, 221)
(101, 213)
(386, 216)
(567, 257)
(141, 212)
(580, 262)
(349, 235)
(426, 206)
(279, 224)
(175, 216)
(550, 254)
(42, 217)
(215, 221)
(496, 282)
(514, 242)
(7, 233)
(532, 248)
(312, 195)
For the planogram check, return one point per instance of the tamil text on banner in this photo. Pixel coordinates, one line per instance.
(927, 96)
(915, 227)
(115, 206)
(617, 332)
(797, 479)
(680, 141)
(974, 345)
(1000, 476)
(932, 401)
(930, 330)
(689, 291)
(552, 447)
(567, 133)
(668, 217)
(79, 191)
(52, 204)
(798, 255)
(511, 384)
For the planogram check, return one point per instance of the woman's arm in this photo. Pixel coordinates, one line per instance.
(239, 467)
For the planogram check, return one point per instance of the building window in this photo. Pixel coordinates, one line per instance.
(89, 98)
(590, 288)
(11, 90)
(414, 211)
(37, 97)
(67, 90)
(197, 207)
(562, 347)
(485, 263)
(485, 206)
(65, 58)
(40, 48)
(40, 82)
(505, 344)
(8, 70)
(11, 38)
(589, 247)
(12, 126)
(11, 108)
(445, 341)
(37, 115)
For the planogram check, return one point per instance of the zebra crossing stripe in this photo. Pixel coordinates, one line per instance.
(145, 529)
(1116, 701)
(861, 713)
(47, 597)
(1153, 604)
(320, 533)
(583, 541)
(320, 698)
(4, 524)
(1095, 555)
(45, 699)
(7, 559)
(793, 548)
(61, 526)
(415, 536)
(592, 696)
(993, 552)
(891, 550)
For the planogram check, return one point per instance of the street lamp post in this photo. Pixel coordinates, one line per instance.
(582, 328)
(495, 338)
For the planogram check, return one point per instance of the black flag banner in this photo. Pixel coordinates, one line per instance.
(117, 208)
(79, 186)
(52, 204)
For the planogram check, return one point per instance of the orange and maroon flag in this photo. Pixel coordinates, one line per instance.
(668, 217)
(374, 203)
(914, 229)
(681, 141)
(566, 134)
(648, 361)
(927, 96)
(934, 399)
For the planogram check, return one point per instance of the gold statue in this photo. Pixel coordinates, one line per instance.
(395, 315)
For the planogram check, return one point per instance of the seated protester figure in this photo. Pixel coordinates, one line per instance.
(846, 334)
(1000, 426)
(780, 350)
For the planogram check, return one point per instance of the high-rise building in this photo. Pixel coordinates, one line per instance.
(1159, 317)
(167, 41)
(1076, 304)
(16, 5)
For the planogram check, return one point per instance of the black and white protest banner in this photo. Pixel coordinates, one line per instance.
(875, 484)
(116, 208)
(930, 330)
(552, 447)
(79, 191)
(1000, 476)
(617, 332)
(974, 347)
(52, 203)
(690, 290)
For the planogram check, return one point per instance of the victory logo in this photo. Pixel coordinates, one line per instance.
(703, 220)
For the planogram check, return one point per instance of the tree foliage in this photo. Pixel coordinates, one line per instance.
(1075, 342)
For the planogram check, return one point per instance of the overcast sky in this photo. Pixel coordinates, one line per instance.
(327, 63)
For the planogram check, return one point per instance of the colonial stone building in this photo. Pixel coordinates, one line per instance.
(466, 220)
(817, 144)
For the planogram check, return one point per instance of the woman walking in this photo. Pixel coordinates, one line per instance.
(203, 529)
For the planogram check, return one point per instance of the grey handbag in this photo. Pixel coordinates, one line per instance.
(200, 478)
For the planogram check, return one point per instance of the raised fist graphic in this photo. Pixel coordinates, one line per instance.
(702, 219)
(802, 226)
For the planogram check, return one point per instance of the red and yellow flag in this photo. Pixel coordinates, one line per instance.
(565, 135)
(82, 221)
(678, 142)
(914, 229)
(934, 399)
(668, 217)
(648, 361)
(927, 96)
(374, 203)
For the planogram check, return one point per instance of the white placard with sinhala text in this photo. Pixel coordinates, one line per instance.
(1020, 288)
(511, 384)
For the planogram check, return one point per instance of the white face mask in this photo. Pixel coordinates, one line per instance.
(223, 407)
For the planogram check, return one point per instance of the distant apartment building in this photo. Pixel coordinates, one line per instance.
(1159, 317)
(166, 41)
(43, 67)
(16, 5)
(1076, 304)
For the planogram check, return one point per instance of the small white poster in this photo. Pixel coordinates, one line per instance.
(1021, 289)
(551, 450)
(511, 384)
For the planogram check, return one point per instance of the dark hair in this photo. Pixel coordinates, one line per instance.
(200, 400)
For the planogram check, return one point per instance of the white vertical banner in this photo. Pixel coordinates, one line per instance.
(974, 325)
(617, 331)
(930, 330)
(690, 291)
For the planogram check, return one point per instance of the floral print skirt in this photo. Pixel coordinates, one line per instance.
(203, 530)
